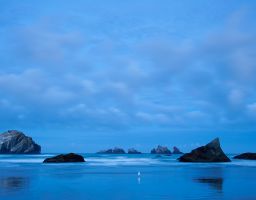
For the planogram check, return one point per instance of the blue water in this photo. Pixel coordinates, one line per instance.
(115, 177)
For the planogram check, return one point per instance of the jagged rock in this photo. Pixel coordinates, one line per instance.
(63, 158)
(211, 152)
(118, 151)
(16, 142)
(161, 150)
(133, 151)
(107, 151)
(112, 151)
(246, 156)
(176, 151)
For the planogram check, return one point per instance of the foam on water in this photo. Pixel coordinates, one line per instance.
(29, 160)
(127, 160)
(122, 161)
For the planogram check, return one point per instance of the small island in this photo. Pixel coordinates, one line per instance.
(246, 156)
(65, 158)
(211, 152)
(16, 142)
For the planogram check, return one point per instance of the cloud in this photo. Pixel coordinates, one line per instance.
(122, 74)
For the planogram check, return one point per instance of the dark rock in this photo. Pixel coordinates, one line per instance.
(16, 142)
(63, 158)
(246, 156)
(118, 151)
(211, 152)
(161, 150)
(108, 151)
(133, 151)
(112, 151)
(176, 151)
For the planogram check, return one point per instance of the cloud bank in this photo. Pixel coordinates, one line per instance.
(124, 67)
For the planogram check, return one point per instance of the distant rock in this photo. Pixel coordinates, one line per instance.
(211, 152)
(246, 156)
(176, 151)
(133, 151)
(106, 151)
(65, 158)
(112, 151)
(16, 142)
(118, 151)
(161, 150)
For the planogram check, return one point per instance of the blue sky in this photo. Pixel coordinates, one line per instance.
(88, 75)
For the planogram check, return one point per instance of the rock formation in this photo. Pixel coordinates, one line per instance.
(116, 150)
(161, 150)
(211, 152)
(63, 158)
(176, 151)
(246, 156)
(16, 142)
(133, 151)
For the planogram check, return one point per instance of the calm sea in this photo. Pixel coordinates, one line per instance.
(116, 177)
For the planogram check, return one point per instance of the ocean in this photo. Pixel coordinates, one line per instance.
(116, 177)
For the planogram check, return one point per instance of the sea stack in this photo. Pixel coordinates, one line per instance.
(133, 151)
(211, 152)
(246, 156)
(161, 150)
(116, 150)
(65, 158)
(16, 142)
(176, 151)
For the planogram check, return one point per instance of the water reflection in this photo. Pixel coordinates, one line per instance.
(215, 183)
(13, 183)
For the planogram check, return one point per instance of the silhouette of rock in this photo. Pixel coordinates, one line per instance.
(176, 151)
(246, 156)
(16, 142)
(161, 150)
(116, 150)
(107, 151)
(63, 158)
(211, 152)
(133, 151)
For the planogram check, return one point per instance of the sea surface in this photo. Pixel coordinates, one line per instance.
(116, 177)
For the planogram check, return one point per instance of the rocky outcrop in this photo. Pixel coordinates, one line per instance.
(107, 151)
(16, 142)
(211, 152)
(65, 158)
(133, 151)
(116, 150)
(246, 156)
(176, 151)
(161, 150)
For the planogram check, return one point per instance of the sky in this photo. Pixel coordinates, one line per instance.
(87, 75)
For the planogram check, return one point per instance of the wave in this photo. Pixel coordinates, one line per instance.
(110, 160)
(39, 160)
(121, 161)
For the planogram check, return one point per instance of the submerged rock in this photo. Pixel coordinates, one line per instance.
(176, 151)
(246, 156)
(161, 150)
(16, 142)
(133, 151)
(211, 152)
(116, 150)
(63, 158)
